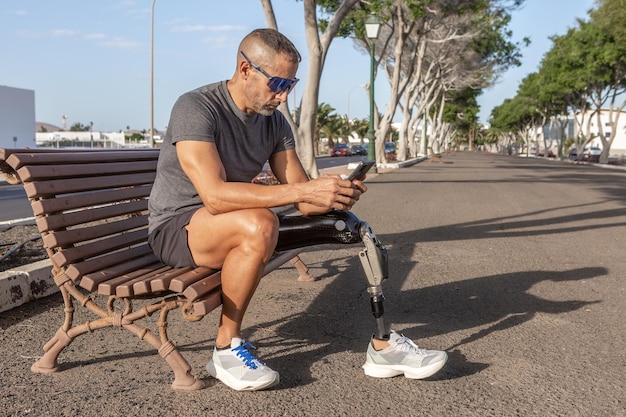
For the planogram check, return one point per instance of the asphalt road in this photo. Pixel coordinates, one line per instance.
(13, 202)
(514, 266)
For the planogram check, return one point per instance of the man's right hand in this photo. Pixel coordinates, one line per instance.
(330, 192)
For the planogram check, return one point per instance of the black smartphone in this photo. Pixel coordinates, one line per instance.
(359, 172)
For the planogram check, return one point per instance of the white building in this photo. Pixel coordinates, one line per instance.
(17, 117)
(82, 139)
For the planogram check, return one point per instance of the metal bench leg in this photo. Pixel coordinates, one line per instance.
(48, 362)
(183, 378)
(303, 270)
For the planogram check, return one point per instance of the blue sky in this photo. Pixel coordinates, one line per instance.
(90, 60)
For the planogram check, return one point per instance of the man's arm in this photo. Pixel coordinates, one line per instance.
(201, 163)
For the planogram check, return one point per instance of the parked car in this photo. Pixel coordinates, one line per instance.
(341, 149)
(592, 154)
(359, 149)
(550, 153)
(391, 151)
(266, 176)
(533, 151)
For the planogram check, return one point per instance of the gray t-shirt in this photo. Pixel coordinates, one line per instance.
(245, 142)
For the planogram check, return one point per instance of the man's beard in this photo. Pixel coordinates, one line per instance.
(267, 109)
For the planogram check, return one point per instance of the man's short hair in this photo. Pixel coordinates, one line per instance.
(276, 41)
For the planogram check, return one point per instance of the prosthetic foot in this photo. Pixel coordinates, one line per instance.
(343, 227)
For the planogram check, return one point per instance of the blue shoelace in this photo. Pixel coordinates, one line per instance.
(246, 356)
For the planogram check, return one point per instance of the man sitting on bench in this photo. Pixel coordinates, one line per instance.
(204, 210)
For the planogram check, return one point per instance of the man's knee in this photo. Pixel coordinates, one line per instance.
(261, 228)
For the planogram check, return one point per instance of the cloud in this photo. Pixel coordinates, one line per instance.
(190, 28)
(65, 33)
(100, 39)
(138, 12)
(132, 8)
(18, 12)
(96, 36)
(177, 21)
(220, 41)
(121, 43)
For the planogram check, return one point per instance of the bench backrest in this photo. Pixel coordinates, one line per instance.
(91, 209)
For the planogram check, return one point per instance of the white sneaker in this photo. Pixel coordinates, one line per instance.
(403, 357)
(238, 368)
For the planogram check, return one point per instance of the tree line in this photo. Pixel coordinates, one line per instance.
(437, 56)
(581, 77)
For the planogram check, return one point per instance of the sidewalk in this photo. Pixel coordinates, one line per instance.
(514, 266)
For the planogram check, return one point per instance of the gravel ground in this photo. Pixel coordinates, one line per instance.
(24, 250)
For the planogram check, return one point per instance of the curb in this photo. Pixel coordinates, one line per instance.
(26, 283)
(30, 282)
(402, 164)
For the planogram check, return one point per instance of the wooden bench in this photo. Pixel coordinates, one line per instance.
(91, 210)
(434, 156)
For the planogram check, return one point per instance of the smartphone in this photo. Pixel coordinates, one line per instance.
(359, 172)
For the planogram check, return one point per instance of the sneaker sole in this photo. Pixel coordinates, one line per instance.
(389, 371)
(238, 385)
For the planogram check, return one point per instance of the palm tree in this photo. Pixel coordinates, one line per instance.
(324, 111)
(336, 127)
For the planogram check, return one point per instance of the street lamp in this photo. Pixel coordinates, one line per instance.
(372, 26)
(151, 141)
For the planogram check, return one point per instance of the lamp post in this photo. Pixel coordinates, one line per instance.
(372, 26)
(151, 141)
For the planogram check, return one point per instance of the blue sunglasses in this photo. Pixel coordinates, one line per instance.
(276, 84)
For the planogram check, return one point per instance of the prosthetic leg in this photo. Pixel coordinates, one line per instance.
(343, 227)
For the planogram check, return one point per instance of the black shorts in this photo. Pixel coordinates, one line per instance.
(169, 241)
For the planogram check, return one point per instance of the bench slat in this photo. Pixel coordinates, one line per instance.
(181, 282)
(140, 281)
(209, 303)
(72, 202)
(77, 270)
(124, 266)
(203, 287)
(42, 189)
(57, 171)
(6, 152)
(61, 221)
(161, 282)
(100, 247)
(17, 158)
(126, 272)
